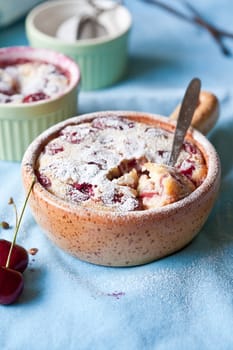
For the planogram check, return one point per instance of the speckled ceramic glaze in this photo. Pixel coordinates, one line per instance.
(20, 123)
(128, 238)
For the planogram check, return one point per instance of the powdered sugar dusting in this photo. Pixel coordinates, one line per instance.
(30, 81)
(100, 153)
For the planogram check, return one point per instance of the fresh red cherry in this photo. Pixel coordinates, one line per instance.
(11, 285)
(19, 256)
(11, 281)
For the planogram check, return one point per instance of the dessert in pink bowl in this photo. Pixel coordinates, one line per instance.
(38, 88)
(25, 81)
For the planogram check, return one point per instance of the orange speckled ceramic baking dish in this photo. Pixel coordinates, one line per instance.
(132, 237)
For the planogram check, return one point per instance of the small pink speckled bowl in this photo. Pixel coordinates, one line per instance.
(128, 238)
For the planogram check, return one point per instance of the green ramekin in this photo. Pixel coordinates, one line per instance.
(102, 61)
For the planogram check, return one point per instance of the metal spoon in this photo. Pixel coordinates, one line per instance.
(89, 27)
(189, 103)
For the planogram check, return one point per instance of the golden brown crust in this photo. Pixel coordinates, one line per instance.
(162, 185)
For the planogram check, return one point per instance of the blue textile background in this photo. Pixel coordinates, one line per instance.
(184, 301)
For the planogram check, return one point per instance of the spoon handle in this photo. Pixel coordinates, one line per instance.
(189, 103)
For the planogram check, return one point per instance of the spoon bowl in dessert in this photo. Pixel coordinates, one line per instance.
(104, 195)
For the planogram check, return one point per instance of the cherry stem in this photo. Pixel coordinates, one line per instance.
(11, 202)
(18, 224)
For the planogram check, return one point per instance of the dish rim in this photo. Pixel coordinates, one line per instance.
(205, 146)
